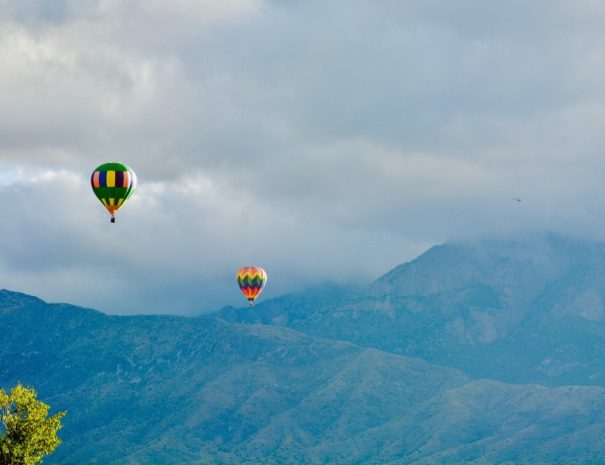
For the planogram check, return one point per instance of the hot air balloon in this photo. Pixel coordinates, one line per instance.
(113, 184)
(251, 280)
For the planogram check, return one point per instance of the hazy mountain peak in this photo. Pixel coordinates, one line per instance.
(507, 264)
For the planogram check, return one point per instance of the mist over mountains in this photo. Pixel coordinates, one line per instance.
(485, 352)
(524, 311)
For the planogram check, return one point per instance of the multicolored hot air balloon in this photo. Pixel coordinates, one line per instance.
(251, 280)
(113, 184)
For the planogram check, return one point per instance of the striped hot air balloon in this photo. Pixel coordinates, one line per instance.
(251, 280)
(113, 184)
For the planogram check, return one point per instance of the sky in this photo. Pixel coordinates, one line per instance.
(322, 140)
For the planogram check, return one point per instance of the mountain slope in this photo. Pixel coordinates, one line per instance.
(171, 390)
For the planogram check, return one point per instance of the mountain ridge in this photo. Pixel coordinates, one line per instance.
(452, 374)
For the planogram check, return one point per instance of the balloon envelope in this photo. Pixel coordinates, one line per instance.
(113, 184)
(251, 280)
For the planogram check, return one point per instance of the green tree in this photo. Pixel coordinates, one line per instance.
(27, 434)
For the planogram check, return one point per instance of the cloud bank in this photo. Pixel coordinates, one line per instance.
(321, 141)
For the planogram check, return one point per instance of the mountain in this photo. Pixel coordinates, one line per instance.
(483, 353)
(523, 311)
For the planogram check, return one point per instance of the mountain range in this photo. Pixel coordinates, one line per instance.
(485, 352)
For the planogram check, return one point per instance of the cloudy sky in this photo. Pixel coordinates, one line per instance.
(322, 140)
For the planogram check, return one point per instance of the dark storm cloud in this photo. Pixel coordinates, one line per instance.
(323, 140)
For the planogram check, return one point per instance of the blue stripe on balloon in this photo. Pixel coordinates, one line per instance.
(103, 179)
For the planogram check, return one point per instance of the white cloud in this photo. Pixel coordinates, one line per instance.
(200, 11)
(10, 176)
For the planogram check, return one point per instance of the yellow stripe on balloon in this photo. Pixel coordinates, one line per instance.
(111, 179)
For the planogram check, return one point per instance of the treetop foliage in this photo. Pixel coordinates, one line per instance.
(27, 434)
